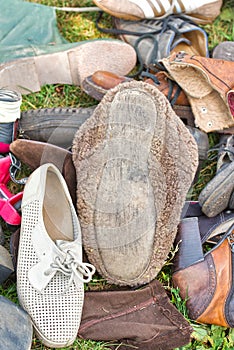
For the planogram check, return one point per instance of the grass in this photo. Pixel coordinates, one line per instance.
(78, 27)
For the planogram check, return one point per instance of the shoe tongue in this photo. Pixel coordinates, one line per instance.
(63, 244)
(179, 40)
(186, 73)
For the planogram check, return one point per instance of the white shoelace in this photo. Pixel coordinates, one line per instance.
(72, 268)
(77, 9)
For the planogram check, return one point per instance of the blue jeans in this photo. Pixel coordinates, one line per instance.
(7, 132)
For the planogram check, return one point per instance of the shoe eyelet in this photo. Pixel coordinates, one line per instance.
(204, 109)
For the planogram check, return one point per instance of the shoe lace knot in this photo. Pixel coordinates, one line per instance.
(70, 266)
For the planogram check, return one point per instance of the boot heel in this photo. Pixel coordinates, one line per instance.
(189, 241)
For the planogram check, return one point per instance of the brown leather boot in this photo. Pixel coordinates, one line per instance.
(100, 82)
(209, 86)
(205, 280)
(35, 153)
(169, 88)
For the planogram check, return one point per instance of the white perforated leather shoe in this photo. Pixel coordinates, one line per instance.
(50, 271)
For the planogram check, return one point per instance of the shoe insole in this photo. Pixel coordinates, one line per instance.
(56, 210)
(189, 49)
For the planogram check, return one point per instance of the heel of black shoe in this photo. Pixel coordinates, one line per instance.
(189, 244)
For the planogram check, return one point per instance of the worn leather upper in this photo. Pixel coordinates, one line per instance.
(209, 86)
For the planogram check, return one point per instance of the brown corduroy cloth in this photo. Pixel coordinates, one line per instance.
(142, 319)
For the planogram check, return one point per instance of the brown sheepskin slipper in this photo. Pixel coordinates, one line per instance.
(135, 161)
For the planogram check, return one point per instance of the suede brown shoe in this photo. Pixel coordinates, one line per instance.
(208, 85)
(132, 181)
(142, 319)
(35, 153)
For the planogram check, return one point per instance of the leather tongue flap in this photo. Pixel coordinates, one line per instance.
(46, 250)
(192, 80)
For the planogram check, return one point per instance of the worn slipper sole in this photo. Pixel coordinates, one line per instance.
(135, 161)
(215, 196)
(70, 66)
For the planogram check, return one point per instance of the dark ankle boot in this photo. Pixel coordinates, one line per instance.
(56, 126)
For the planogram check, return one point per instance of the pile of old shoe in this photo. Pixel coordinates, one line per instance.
(109, 186)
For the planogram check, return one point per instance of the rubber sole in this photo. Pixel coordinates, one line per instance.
(72, 66)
